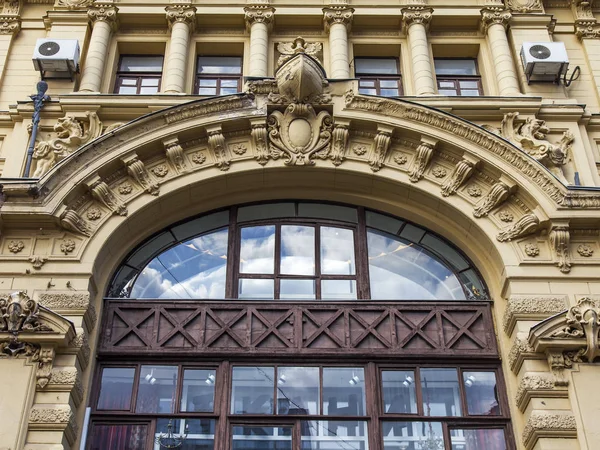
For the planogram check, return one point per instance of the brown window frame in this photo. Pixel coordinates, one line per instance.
(374, 413)
(139, 76)
(219, 77)
(377, 78)
(456, 79)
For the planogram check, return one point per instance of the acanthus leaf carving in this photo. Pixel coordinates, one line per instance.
(527, 224)
(497, 195)
(462, 172)
(101, 192)
(137, 170)
(524, 6)
(74, 4)
(380, 149)
(531, 137)
(19, 313)
(417, 14)
(183, 13)
(70, 136)
(421, 161)
(103, 11)
(259, 138)
(288, 50)
(338, 14)
(45, 361)
(216, 143)
(72, 221)
(494, 15)
(340, 142)
(174, 153)
(560, 240)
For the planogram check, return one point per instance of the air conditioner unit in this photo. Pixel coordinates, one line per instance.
(544, 61)
(56, 58)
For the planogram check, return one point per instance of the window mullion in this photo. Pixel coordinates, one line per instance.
(318, 276)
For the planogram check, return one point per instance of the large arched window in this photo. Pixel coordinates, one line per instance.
(297, 251)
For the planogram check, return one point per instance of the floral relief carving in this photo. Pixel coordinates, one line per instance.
(259, 138)
(546, 424)
(585, 250)
(72, 221)
(400, 159)
(532, 250)
(288, 50)
(527, 224)
(421, 161)
(339, 144)
(462, 172)
(37, 261)
(359, 149)
(70, 136)
(560, 240)
(238, 149)
(474, 191)
(531, 308)
(160, 171)
(497, 195)
(439, 172)
(216, 143)
(531, 137)
(94, 213)
(524, 6)
(125, 189)
(74, 4)
(67, 246)
(381, 146)
(198, 158)
(137, 170)
(174, 153)
(532, 383)
(102, 192)
(16, 246)
(505, 216)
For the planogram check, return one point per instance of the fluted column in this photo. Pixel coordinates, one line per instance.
(494, 22)
(416, 19)
(259, 19)
(182, 19)
(338, 19)
(103, 16)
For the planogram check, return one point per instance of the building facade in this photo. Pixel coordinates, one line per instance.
(327, 224)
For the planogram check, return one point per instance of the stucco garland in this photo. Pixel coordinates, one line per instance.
(535, 385)
(531, 308)
(541, 424)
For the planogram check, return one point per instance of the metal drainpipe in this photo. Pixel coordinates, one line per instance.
(38, 103)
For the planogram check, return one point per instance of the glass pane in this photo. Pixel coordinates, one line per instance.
(297, 250)
(399, 391)
(115, 388)
(198, 393)
(446, 84)
(219, 64)
(366, 83)
(267, 211)
(344, 391)
(298, 390)
(334, 435)
(413, 436)
(207, 82)
(129, 81)
(388, 84)
(228, 91)
(119, 437)
(200, 434)
(482, 393)
(337, 251)
(156, 391)
(150, 81)
(325, 211)
(257, 252)
(473, 283)
(193, 269)
(383, 222)
(297, 290)
(455, 67)
(127, 90)
(141, 64)
(400, 270)
(148, 90)
(441, 248)
(248, 437)
(468, 84)
(467, 93)
(382, 66)
(150, 249)
(207, 91)
(252, 390)
(390, 92)
(256, 289)
(200, 225)
(440, 390)
(338, 290)
(229, 83)
(367, 91)
(449, 93)
(476, 439)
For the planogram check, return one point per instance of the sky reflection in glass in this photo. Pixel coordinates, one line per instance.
(257, 249)
(193, 269)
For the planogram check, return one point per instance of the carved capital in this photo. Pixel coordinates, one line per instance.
(461, 173)
(587, 29)
(494, 15)
(560, 239)
(421, 161)
(103, 12)
(416, 14)
(137, 170)
(497, 195)
(181, 13)
(527, 224)
(259, 14)
(10, 24)
(337, 14)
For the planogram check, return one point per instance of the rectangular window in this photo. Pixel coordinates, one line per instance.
(139, 74)
(115, 388)
(458, 77)
(218, 75)
(378, 76)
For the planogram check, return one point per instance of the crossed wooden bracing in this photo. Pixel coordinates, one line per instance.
(263, 328)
